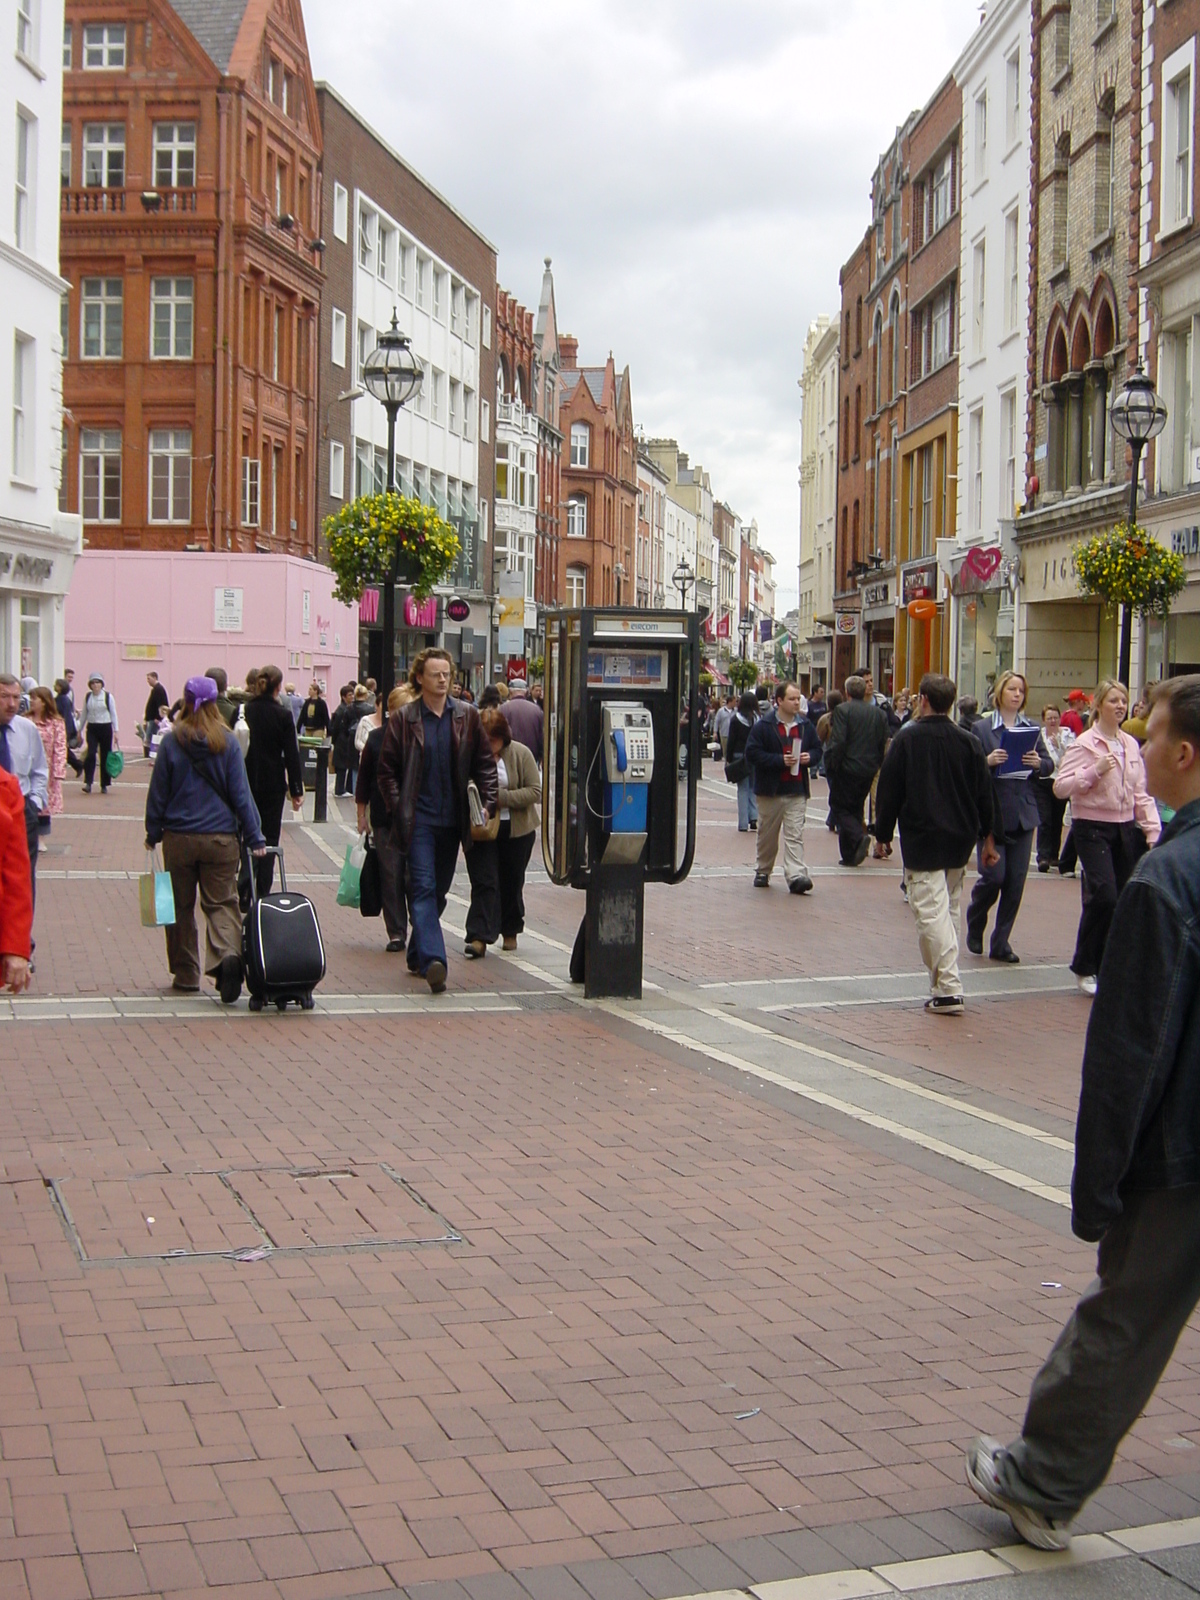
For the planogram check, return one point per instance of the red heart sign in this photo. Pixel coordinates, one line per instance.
(982, 563)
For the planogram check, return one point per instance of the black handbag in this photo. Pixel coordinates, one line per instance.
(370, 885)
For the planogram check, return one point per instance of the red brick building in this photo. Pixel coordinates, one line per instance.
(599, 479)
(189, 234)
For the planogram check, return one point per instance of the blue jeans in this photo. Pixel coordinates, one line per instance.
(747, 804)
(432, 858)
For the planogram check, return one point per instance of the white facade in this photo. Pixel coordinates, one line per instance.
(651, 556)
(38, 543)
(679, 545)
(993, 74)
(437, 434)
(516, 492)
(818, 477)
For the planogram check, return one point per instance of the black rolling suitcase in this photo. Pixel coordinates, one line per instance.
(282, 952)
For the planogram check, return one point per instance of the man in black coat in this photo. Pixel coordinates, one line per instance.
(858, 736)
(779, 751)
(342, 726)
(1136, 1186)
(935, 784)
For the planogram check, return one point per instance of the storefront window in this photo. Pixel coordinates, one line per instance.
(985, 649)
(31, 639)
(1183, 644)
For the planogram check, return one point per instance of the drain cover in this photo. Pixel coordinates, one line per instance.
(161, 1215)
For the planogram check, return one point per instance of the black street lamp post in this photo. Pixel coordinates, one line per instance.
(683, 578)
(745, 628)
(1138, 415)
(392, 374)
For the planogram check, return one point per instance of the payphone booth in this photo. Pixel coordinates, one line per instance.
(620, 771)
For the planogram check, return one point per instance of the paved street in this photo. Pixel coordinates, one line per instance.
(508, 1294)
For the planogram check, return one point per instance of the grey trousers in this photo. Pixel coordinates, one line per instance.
(1109, 1357)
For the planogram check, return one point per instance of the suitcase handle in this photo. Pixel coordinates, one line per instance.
(271, 850)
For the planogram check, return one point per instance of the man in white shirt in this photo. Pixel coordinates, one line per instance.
(23, 754)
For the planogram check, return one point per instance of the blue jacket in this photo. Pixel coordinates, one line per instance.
(1139, 1105)
(764, 757)
(182, 801)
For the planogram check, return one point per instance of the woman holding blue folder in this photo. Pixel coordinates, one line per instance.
(1008, 738)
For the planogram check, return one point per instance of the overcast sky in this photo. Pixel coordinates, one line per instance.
(697, 169)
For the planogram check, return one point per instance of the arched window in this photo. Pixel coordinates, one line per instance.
(877, 398)
(894, 343)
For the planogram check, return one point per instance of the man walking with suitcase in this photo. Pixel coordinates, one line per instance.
(433, 748)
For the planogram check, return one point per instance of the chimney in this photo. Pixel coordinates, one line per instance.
(568, 351)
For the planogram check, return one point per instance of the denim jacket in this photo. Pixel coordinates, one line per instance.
(1139, 1107)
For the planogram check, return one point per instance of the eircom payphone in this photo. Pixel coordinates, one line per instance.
(621, 687)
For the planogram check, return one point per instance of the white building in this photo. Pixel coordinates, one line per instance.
(679, 545)
(818, 501)
(993, 74)
(38, 542)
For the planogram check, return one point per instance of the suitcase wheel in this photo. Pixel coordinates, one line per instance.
(281, 1003)
(307, 1003)
(255, 1003)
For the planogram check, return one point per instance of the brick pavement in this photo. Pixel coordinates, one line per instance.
(692, 1335)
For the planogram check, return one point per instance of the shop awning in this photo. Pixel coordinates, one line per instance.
(711, 667)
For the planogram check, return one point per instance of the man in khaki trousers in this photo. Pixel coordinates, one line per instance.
(779, 751)
(935, 783)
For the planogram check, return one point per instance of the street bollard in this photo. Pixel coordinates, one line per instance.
(321, 785)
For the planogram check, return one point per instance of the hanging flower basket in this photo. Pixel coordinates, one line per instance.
(362, 539)
(1128, 567)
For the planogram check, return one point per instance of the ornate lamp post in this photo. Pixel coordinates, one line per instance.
(1138, 415)
(745, 628)
(683, 578)
(392, 374)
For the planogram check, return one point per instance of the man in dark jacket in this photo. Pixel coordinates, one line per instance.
(858, 735)
(433, 748)
(779, 750)
(936, 785)
(525, 720)
(224, 704)
(1136, 1187)
(342, 726)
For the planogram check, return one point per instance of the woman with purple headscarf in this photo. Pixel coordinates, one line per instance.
(198, 804)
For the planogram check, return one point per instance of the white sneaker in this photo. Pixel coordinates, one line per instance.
(1087, 984)
(1044, 1533)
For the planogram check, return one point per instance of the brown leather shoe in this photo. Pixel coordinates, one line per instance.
(510, 941)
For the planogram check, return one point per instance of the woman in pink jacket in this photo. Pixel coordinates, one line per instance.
(1113, 818)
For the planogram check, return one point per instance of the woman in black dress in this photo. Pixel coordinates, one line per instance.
(273, 768)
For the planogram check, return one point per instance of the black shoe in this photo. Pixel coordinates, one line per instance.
(862, 851)
(946, 1005)
(394, 946)
(435, 976)
(762, 880)
(975, 943)
(229, 979)
(1009, 957)
(1043, 866)
(800, 885)
(754, 827)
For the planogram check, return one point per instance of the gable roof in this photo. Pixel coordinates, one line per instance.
(594, 378)
(214, 24)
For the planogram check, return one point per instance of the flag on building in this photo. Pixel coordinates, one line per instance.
(767, 630)
(723, 626)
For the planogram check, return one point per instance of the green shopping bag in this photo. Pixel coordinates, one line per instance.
(114, 763)
(157, 896)
(349, 884)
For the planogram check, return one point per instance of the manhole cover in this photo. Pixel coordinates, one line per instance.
(162, 1215)
(245, 1212)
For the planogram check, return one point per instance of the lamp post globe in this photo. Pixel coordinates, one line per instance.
(683, 578)
(1138, 415)
(392, 375)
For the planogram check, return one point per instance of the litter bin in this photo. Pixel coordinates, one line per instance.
(314, 760)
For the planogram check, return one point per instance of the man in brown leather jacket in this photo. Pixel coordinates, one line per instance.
(432, 749)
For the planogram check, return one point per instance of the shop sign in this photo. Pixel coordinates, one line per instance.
(980, 570)
(1185, 542)
(368, 607)
(458, 609)
(227, 610)
(846, 622)
(421, 614)
(141, 652)
(877, 594)
(19, 567)
(510, 617)
(920, 583)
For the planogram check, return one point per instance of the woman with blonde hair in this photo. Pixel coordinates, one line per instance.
(52, 730)
(198, 801)
(373, 813)
(1114, 820)
(1015, 813)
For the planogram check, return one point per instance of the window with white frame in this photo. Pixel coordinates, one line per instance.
(439, 295)
(1012, 99)
(1175, 384)
(487, 328)
(1008, 452)
(455, 405)
(385, 258)
(978, 297)
(23, 391)
(64, 158)
(457, 308)
(423, 265)
(485, 422)
(577, 507)
(337, 470)
(174, 155)
(103, 46)
(68, 51)
(100, 471)
(470, 312)
(404, 269)
(581, 440)
(337, 352)
(26, 30)
(171, 319)
(437, 395)
(468, 414)
(341, 211)
(26, 181)
(64, 444)
(170, 475)
(942, 185)
(251, 470)
(941, 340)
(975, 456)
(102, 318)
(981, 120)
(576, 588)
(502, 477)
(104, 155)
(368, 237)
(276, 344)
(365, 344)
(1175, 205)
(1012, 280)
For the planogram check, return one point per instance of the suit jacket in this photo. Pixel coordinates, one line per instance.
(523, 790)
(1014, 800)
(273, 759)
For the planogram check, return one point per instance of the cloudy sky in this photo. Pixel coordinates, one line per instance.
(697, 169)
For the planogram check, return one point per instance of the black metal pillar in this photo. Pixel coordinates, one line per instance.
(1127, 611)
(387, 676)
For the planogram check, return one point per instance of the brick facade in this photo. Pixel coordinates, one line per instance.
(601, 496)
(195, 248)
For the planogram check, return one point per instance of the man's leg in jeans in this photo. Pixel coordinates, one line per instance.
(931, 901)
(770, 821)
(1111, 1354)
(426, 943)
